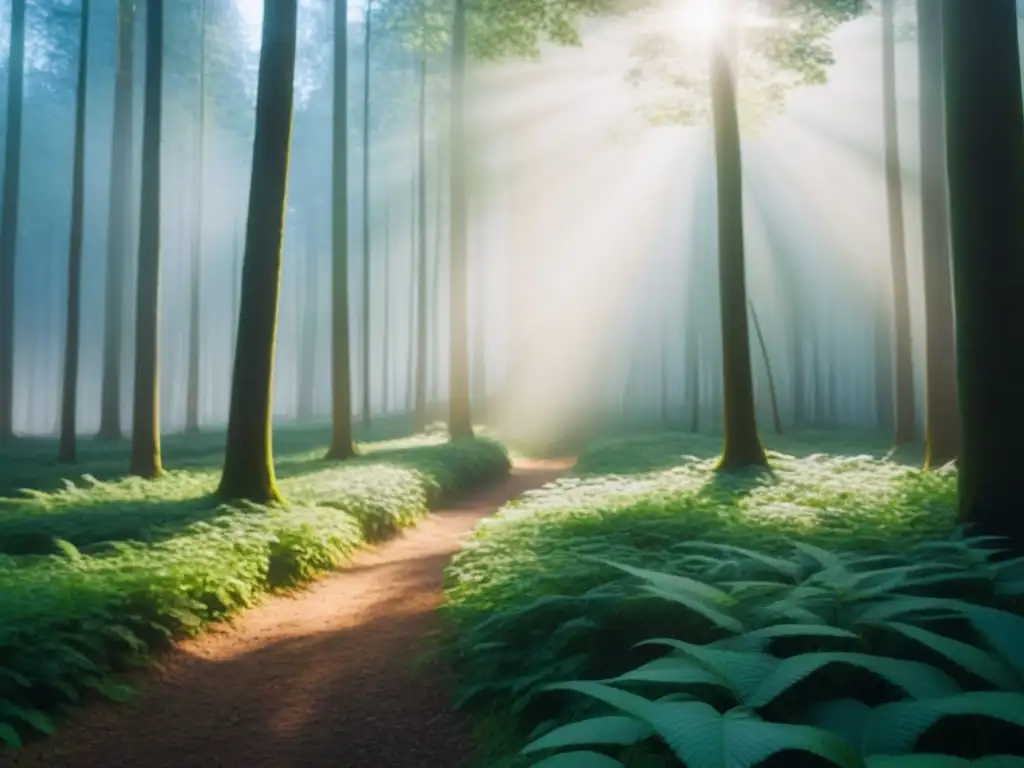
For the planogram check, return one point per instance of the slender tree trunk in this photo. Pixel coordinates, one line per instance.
(410, 371)
(742, 446)
(248, 458)
(819, 384)
(386, 341)
(421, 251)
(985, 157)
(307, 334)
(342, 442)
(776, 417)
(366, 414)
(905, 414)
(9, 215)
(195, 282)
(942, 422)
(69, 394)
(236, 283)
(460, 422)
(145, 458)
(479, 374)
(438, 329)
(799, 371)
(118, 219)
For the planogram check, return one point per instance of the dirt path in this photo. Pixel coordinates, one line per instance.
(324, 678)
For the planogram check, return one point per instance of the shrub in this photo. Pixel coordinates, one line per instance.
(69, 620)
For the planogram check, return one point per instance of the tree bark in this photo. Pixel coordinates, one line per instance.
(145, 457)
(942, 419)
(69, 394)
(9, 214)
(342, 442)
(460, 424)
(985, 158)
(905, 410)
(195, 281)
(308, 327)
(422, 317)
(248, 458)
(118, 218)
(386, 340)
(742, 446)
(366, 415)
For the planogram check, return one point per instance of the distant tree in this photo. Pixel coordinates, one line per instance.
(9, 214)
(420, 408)
(942, 422)
(905, 412)
(195, 276)
(985, 157)
(118, 218)
(308, 325)
(248, 459)
(342, 442)
(69, 389)
(145, 457)
(385, 347)
(365, 414)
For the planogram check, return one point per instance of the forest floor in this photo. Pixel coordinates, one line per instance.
(333, 675)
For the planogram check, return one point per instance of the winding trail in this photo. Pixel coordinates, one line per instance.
(325, 678)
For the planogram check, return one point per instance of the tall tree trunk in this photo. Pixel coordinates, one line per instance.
(460, 422)
(195, 280)
(310, 307)
(742, 446)
(248, 457)
(145, 458)
(776, 416)
(479, 374)
(410, 371)
(437, 326)
(9, 214)
(985, 156)
(884, 398)
(367, 403)
(422, 336)
(942, 421)
(118, 218)
(236, 283)
(342, 442)
(386, 341)
(905, 413)
(799, 369)
(69, 393)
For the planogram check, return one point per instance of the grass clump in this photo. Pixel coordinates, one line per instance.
(682, 617)
(117, 583)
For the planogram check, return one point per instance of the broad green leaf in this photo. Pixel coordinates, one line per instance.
(671, 670)
(759, 639)
(918, 680)
(9, 736)
(893, 729)
(580, 759)
(701, 736)
(614, 729)
(743, 671)
(677, 584)
(847, 718)
(976, 661)
(695, 604)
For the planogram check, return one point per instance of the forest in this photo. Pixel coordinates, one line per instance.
(511, 383)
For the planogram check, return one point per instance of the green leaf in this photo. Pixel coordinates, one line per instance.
(918, 680)
(614, 729)
(695, 604)
(700, 736)
(976, 661)
(671, 670)
(944, 761)
(676, 584)
(847, 718)
(759, 639)
(580, 759)
(894, 729)
(9, 736)
(743, 671)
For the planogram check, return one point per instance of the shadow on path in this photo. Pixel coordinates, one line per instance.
(327, 677)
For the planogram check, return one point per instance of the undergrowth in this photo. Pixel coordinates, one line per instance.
(828, 613)
(107, 572)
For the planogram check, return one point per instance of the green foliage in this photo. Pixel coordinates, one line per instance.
(70, 619)
(678, 617)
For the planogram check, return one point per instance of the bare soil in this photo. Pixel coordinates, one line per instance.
(329, 676)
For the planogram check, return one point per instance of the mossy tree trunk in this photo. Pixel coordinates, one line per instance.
(69, 389)
(905, 422)
(248, 459)
(145, 457)
(342, 442)
(118, 218)
(460, 424)
(942, 419)
(985, 159)
(195, 277)
(742, 445)
(9, 214)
